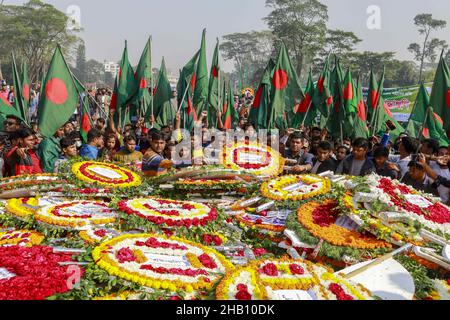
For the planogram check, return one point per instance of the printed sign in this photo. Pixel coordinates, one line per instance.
(5, 274)
(105, 172)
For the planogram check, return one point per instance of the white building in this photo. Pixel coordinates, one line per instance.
(111, 67)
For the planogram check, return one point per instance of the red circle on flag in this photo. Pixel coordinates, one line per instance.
(143, 83)
(348, 92)
(280, 79)
(26, 92)
(193, 81)
(388, 111)
(320, 84)
(257, 100)
(56, 91)
(329, 101)
(362, 111)
(215, 72)
(5, 101)
(426, 132)
(447, 97)
(303, 107)
(374, 97)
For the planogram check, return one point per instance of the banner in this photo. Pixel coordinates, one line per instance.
(400, 100)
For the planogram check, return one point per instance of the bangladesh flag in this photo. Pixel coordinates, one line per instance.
(26, 94)
(19, 102)
(360, 118)
(234, 112)
(323, 98)
(201, 80)
(214, 99)
(124, 91)
(162, 105)
(6, 109)
(59, 98)
(434, 128)
(259, 112)
(440, 94)
(306, 108)
(227, 116)
(336, 114)
(373, 98)
(350, 101)
(144, 80)
(86, 120)
(285, 92)
(381, 113)
(185, 89)
(418, 113)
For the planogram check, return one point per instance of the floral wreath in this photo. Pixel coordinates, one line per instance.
(61, 215)
(33, 273)
(259, 279)
(169, 212)
(125, 177)
(320, 220)
(20, 238)
(162, 263)
(309, 187)
(21, 207)
(269, 163)
(30, 180)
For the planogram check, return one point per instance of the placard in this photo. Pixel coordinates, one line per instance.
(418, 200)
(167, 261)
(250, 158)
(105, 172)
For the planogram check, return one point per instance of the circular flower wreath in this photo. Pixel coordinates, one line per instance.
(169, 212)
(95, 235)
(435, 215)
(259, 279)
(253, 158)
(30, 181)
(308, 186)
(320, 220)
(22, 207)
(21, 238)
(76, 214)
(33, 273)
(84, 171)
(208, 184)
(162, 263)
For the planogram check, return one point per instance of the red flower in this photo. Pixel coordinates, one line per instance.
(207, 261)
(296, 269)
(217, 241)
(242, 287)
(337, 290)
(125, 255)
(243, 295)
(207, 239)
(259, 252)
(270, 269)
(100, 233)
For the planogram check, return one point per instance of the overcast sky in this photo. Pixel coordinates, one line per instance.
(176, 25)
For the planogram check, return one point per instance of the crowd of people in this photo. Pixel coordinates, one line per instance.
(423, 165)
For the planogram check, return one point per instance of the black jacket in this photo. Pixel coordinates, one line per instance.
(328, 165)
(367, 168)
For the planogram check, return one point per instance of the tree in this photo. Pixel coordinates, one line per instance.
(362, 62)
(95, 72)
(427, 51)
(302, 26)
(80, 69)
(250, 52)
(33, 30)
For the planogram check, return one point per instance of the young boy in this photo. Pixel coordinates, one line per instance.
(69, 151)
(383, 168)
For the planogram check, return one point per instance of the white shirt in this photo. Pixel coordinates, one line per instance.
(401, 163)
(443, 172)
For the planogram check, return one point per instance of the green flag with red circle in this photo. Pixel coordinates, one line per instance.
(286, 91)
(434, 128)
(214, 97)
(418, 113)
(306, 111)
(185, 89)
(323, 99)
(200, 99)
(19, 102)
(360, 119)
(144, 79)
(440, 94)
(59, 96)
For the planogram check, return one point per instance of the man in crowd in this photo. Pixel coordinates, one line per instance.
(154, 163)
(95, 141)
(417, 178)
(323, 162)
(357, 164)
(382, 166)
(408, 146)
(49, 150)
(129, 155)
(68, 151)
(298, 160)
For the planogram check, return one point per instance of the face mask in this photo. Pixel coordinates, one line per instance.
(79, 144)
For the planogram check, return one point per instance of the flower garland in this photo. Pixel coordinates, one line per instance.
(442, 290)
(309, 186)
(257, 223)
(85, 171)
(76, 214)
(21, 238)
(167, 262)
(336, 287)
(319, 220)
(35, 273)
(253, 158)
(169, 212)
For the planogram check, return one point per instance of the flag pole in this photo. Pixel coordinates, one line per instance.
(185, 93)
(306, 114)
